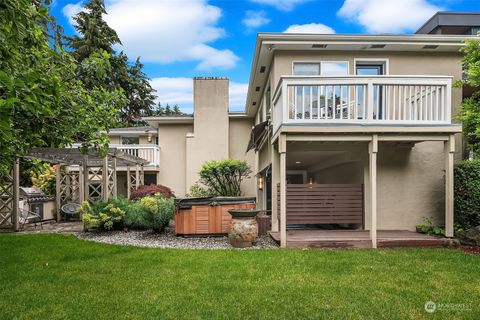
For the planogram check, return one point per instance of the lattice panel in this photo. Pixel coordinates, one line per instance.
(94, 184)
(111, 181)
(133, 180)
(70, 187)
(141, 179)
(6, 199)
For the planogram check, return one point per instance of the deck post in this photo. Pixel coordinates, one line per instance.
(137, 176)
(81, 184)
(372, 197)
(105, 179)
(86, 178)
(114, 168)
(16, 195)
(449, 150)
(275, 180)
(282, 149)
(129, 182)
(58, 200)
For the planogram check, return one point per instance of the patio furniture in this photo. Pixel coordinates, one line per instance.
(71, 210)
(27, 216)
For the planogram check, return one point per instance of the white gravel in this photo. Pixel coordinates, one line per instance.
(167, 239)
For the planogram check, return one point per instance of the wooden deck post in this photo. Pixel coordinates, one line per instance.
(58, 200)
(114, 167)
(282, 149)
(372, 151)
(105, 179)
(449, 150)
(275, 181)
(16, 195)
(137, 176)
(129, 182)
(81, 184)
(86, 178)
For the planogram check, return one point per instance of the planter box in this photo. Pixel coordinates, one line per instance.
(207, 216)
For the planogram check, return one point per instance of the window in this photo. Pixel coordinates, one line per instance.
(130, 140)
(324, 68)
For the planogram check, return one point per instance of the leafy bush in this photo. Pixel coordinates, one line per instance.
(197, 191)
(429, 228)
(224, 177)
(158, 210)
(105, 216)
(44, 178)
(467, 194)
(151, 190)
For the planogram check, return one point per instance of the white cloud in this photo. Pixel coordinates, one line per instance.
(168, 31)
(71, 10)
(284, 5)
(310, 28)
(255, 19)
(388, 16)
(179, 90)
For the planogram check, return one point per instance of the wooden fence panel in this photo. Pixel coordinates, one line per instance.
(324, 203)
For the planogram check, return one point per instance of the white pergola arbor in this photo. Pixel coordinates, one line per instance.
(79, 177)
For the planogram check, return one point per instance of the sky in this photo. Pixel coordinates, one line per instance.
(181, 39)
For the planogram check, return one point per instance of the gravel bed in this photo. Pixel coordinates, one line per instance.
(167, 239)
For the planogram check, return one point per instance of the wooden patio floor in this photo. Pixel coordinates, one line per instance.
(315, 238)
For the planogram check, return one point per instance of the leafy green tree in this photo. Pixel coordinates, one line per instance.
(223, 177)
(470, 112)
(42, 101)
(94, 35)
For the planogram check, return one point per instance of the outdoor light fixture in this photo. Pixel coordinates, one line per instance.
(149, 136)
(260, 183)
(310, 182)
(298, 162)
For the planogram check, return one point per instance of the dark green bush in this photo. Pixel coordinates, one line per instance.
(224, 177)
(467, 194)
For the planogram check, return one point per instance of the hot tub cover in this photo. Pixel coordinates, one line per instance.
(187, 203)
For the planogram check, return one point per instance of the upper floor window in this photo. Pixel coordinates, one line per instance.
(323, 68)
(130, 140)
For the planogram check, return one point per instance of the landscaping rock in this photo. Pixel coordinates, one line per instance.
(471, 236)
(167, 239)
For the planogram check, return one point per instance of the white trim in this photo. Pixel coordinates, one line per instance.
(384, 61)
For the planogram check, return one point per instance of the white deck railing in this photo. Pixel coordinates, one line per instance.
(144, 151)
(363, 100)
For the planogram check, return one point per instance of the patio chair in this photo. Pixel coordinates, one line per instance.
(27, 216)
(70, 210)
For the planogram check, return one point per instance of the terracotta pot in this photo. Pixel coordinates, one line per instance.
(244, 228)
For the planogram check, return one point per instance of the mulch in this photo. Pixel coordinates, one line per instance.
(471, 249)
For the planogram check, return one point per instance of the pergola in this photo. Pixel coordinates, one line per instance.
(79, 177)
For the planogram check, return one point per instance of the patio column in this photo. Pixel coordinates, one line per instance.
(105, 179)
(449, 151)
(16, 195)
(275, 180)
(129, 182)
(142, 176)
(282, 149)
(372, 190)
(58, 181)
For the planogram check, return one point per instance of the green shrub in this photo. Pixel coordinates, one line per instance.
(105, 216)
(467, 194)
(224, 177)
(158, 211)
(197, 191)
(429, 228)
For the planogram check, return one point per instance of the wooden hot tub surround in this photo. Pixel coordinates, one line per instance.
(205, 216)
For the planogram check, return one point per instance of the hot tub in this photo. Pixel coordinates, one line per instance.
(205, 216)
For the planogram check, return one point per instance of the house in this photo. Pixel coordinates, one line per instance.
(350, 131)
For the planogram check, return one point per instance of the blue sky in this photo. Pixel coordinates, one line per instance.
(181, 39)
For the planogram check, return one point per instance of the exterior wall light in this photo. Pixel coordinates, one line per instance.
(260, 183)
(149, 136)
(310, 182)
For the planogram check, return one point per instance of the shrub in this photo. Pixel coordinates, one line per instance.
(224, 177)
(151, 190)
(197, 191)
(44, 178)
(467, 194)
(159, 211)
(105, 216)
(429, 228)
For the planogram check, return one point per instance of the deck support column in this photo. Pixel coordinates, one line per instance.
(58, 200)
(16, 195)
(105, 179)
(114, 168)
(275, 181)
(86, 179)
(137, 176)
(129, 182)
(372, 190)
(449, 151)
(81, 184)
(282, 149)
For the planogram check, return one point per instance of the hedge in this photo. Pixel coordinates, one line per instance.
(467, 194)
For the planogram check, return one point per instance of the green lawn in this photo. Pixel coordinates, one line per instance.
(58, 276)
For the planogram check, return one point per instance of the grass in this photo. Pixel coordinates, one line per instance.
(60, 277)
